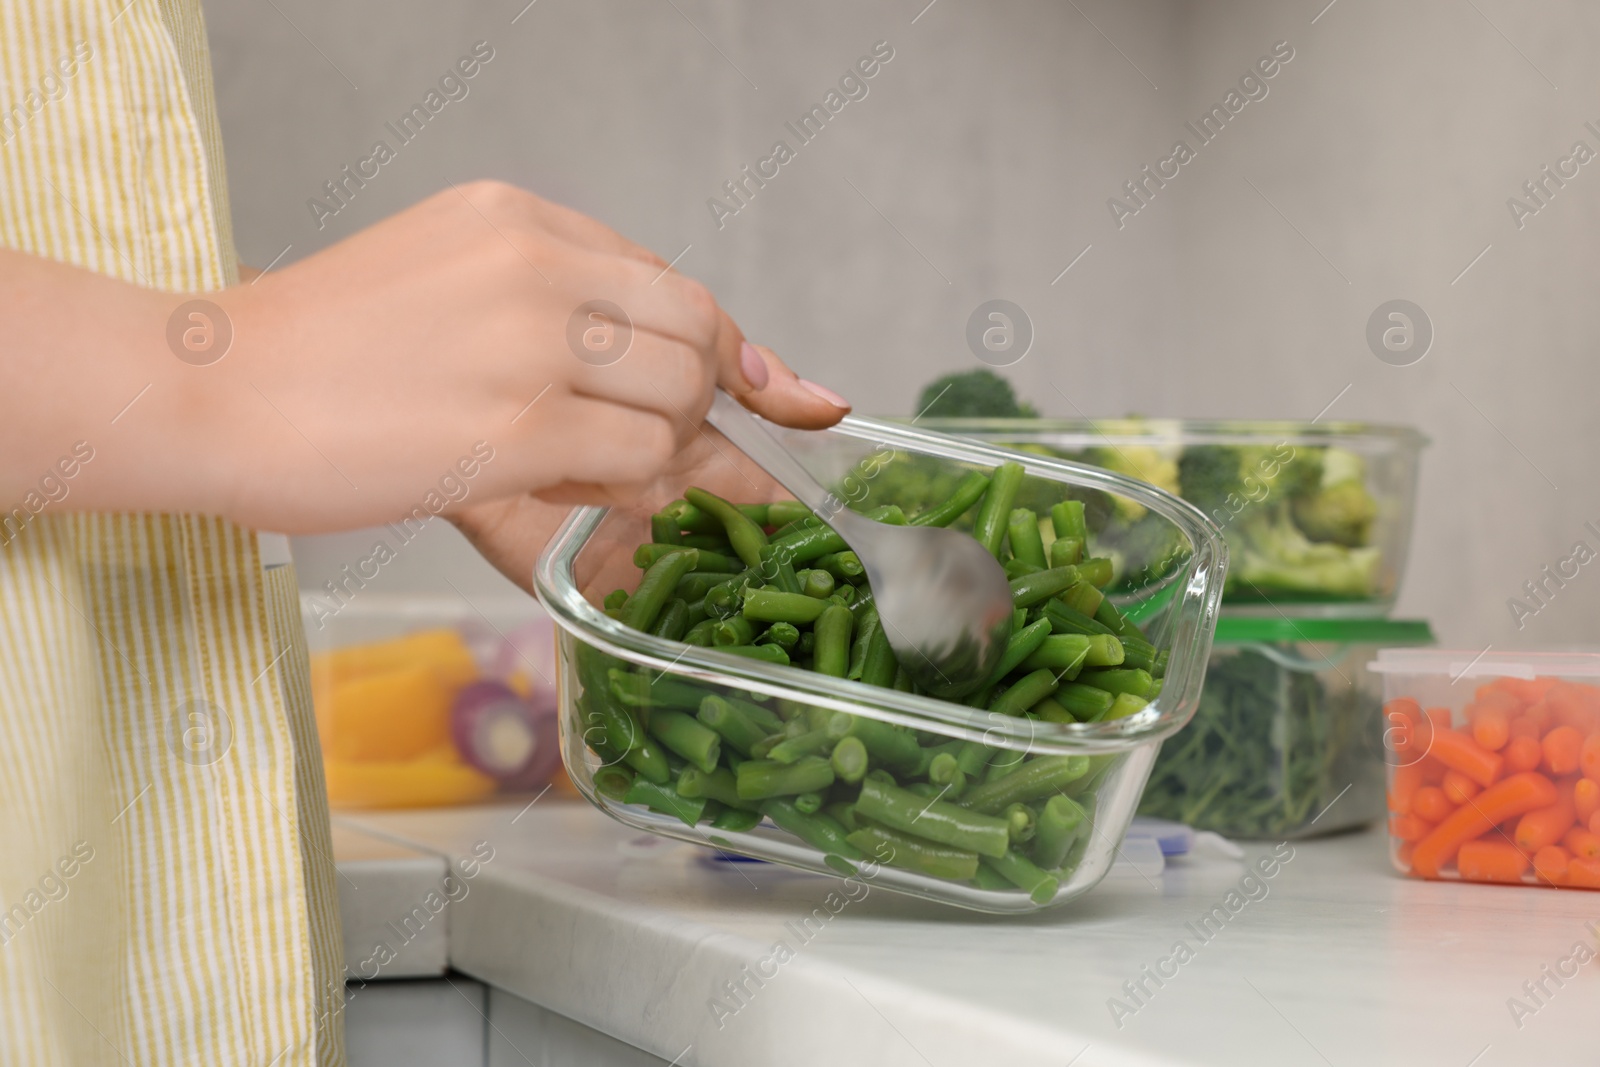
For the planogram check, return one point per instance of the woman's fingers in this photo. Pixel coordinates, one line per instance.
(787, 399)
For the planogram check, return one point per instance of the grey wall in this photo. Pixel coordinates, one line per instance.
(979, 166)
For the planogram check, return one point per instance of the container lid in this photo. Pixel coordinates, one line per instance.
(1238, 630)
(1468, 664)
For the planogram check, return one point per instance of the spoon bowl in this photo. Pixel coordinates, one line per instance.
(943, 600)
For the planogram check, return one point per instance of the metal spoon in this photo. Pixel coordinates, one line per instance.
(943, 600)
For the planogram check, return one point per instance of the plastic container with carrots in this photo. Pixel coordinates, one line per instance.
(1493, 766)
(424, 701)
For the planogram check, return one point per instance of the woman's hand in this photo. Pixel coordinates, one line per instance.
(360, 379)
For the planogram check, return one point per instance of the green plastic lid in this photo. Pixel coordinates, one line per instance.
(1264, 630)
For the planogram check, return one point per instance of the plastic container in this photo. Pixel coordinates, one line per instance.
(592, 555)
(1287, 741)
(1493, 765)
(1320, 523)
(424, 701)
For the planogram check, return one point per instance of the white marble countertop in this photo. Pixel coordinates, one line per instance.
(1334, 961)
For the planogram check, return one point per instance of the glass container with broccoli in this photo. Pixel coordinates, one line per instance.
(1317, 515)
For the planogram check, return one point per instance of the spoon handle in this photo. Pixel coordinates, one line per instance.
(753, 439)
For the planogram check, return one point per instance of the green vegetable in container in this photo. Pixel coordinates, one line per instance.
(1268, 749)
(852, 786)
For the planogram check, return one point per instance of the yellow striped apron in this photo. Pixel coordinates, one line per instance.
(166, 888)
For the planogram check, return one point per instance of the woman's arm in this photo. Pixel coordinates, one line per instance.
(355, 380)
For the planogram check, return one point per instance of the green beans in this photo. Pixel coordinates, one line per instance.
(808, 544)
(744, 533)
(1065, 551)
(673, 622)
(1039, 777)
(759, 779)
(833, 639)
(1035, 588)
(655, 587)
(854, 786)
(1064, 620)
(1067, 519)
(878, 665)
(666, 800)
(736, 820)
(1020, 871)
(737, 722)
(1097, 571)
(705, 561)
(783, 512)
(1025, 692)
(738, 630)
(1134, 682)
(902, 850)
(688, 738)
(765, 653)
(783, 634)
(944, 770)
(1084, 703)
(844, 566)
(1070, 652)
(850, 760)
(1027, 544)
(890, 747)
(612, 781)
(1019, 646)
(819, 830)
(807, 744)
(1020, 822)
(932, 820)
(664, 530)
(817, 583)
(1059, 822)
(770, 605)
(989, 527)
(969, 490)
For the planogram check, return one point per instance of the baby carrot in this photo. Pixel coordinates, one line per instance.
(1435, 719)
(1538, 715)
(1525, 726)
(1431, 804)
(1404, 782)
(1583, 874)
(1409, 827)
(1458, 788)
(1523, 753)
(1491, 861)
(1585, 799)
(1544, 826)
(1594, 823)
(1514, 796)
(1492, 728)
(1404, 733)
(1589, 757)
(1583, 844)
(1550, 863)
(1562, 747)
(1459, 752)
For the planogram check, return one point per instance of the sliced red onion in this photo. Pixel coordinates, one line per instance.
(505, 736)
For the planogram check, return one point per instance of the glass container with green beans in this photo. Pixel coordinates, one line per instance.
(725, 678)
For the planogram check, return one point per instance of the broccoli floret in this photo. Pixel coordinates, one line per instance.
(1341, 514)
(1142, 462)
(1225, 480)
(1270, 555)
(972, 394)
